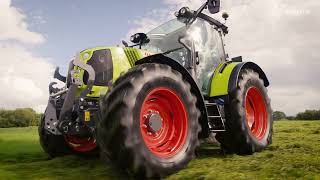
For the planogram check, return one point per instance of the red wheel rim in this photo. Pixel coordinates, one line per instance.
(162, 106)
(81, 144)
(256, 113)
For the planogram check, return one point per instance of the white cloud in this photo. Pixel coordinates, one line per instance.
(14, 27)
(279, 35)
(23, 76)
(143, 25)
(157, 16)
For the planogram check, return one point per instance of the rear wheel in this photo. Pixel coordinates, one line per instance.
(248, 116)
(150, 121)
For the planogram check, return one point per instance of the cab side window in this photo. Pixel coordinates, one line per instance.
(209, 46)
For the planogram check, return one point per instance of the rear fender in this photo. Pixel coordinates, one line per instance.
(225, 77)
(245, 65)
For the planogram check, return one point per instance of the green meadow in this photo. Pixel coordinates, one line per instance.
(294, 154)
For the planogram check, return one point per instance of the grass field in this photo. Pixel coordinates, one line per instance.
(294, 154)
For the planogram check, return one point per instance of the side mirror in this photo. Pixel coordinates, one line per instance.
(214, 6)
(125, 43)
(139, 38)
(58, 76)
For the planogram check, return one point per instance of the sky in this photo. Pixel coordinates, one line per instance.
(282, 36)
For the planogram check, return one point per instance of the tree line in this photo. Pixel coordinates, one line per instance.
(21, 117)
(306, 115)
(24, 117)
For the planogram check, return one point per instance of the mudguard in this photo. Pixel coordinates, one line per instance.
(245, 65)
(225, 77)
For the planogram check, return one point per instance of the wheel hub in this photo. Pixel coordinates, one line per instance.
(256, 112)
(163, 122)
(153, 121)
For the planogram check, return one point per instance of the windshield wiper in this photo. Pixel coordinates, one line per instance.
(172, 50)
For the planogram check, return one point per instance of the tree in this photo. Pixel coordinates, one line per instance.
(277, 115)
(309, 115)
(24, 116)
(21, 117)
(4, 123)
(291, 117)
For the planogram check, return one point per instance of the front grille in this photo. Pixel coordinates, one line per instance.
(101, 62)
(132, 55)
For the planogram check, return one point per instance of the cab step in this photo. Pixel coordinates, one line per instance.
(215, 117)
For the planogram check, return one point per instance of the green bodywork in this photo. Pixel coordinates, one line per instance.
(220, 80)
(122, 59)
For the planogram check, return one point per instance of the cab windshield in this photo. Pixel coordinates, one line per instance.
(165, 37)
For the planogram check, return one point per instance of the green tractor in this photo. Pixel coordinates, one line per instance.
(146, 107)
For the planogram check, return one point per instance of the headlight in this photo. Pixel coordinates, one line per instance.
(86, 56)
(183, 11)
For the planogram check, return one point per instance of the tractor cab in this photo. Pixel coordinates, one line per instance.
(205, 42)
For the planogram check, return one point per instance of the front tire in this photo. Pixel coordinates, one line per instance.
(53, 145)
(248, 116)
(60, 145)
(150, 121)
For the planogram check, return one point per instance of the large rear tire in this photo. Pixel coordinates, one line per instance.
(150, 121)
(248, 116)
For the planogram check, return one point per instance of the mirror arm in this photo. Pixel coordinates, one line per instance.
(196, 13)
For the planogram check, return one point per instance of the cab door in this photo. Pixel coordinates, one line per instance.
(209, 48)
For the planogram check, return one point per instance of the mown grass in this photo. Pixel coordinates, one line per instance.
(294, 154)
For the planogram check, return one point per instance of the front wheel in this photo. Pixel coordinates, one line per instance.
(248, 116)
(150, 121)
(60, 145)
(53, 145)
